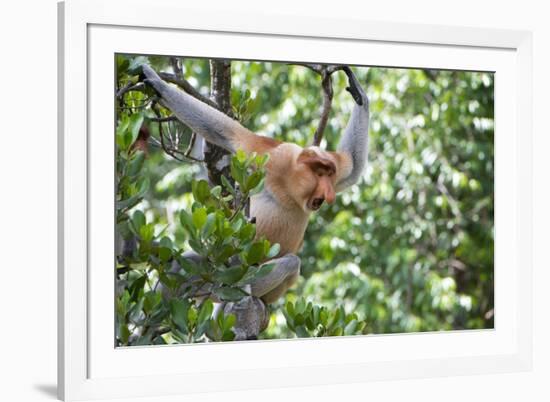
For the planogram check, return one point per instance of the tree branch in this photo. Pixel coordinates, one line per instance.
(325, 71)
(216, 158)
(325, 109)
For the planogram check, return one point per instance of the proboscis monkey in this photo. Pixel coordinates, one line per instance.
(298, 180)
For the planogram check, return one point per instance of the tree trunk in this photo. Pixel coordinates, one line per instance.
(216, 158)
(251, 312)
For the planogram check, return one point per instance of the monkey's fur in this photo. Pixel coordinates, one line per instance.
(298, 180)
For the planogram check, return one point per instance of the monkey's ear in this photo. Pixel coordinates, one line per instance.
(317, 162)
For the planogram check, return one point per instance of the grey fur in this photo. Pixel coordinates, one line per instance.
(206, 121)
(252, 317)
(286, 267)
(355, 140)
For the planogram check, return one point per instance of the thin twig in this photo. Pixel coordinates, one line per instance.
(130, 87)
(164, 119)
(176, 67)
(172, 151)
(191, 144)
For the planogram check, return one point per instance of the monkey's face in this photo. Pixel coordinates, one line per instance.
(318, 173)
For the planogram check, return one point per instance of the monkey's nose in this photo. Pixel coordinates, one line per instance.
(317, 202)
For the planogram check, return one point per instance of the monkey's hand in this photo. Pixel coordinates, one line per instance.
(355, 88)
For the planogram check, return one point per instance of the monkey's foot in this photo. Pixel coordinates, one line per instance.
(252, 317)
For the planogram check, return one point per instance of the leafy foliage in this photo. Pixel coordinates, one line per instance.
(157, 303)
(307, 320)
(408, 248)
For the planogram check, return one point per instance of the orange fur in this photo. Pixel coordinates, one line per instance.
(295, 177)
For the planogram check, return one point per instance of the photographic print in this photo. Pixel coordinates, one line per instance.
(262, 200)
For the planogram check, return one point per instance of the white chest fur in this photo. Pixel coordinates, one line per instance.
(278, 224)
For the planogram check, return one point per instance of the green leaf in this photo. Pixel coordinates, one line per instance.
(136, 163)
(310, 325)
(229, 276)
(237, 171)
(273, 251)
(261, 160)
(351, 327)
(204, 319)
(300, 306)
(122, 128)
(230, 294)
(187, 221)
(206, 310)
(229, 322)
(151, 300)
(122, 64)
(228, 336)
(142, 185)
(201, 191)
(227, 251)
(247, 232)
(315, 315)
(323, 316)
(165, 253)
(179, 309)
(228, 185)
(192, 315)
(301, 331)
(196, 246)
(253, 180)
(255, 253)
(255, 273)
(138, 220)
(136, 287)
(134, 125)
(166, 242)
(199, 217)
(216, 191)
(241, 156)
(299, 319)
(123, 333)
(209, 225)
(289, 316)
(147, 232)
(337, 332)
(189, 266)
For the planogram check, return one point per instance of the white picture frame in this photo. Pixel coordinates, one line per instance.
(89, 366)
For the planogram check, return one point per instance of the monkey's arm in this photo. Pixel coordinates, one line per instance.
(206, 121)
(353, 146)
